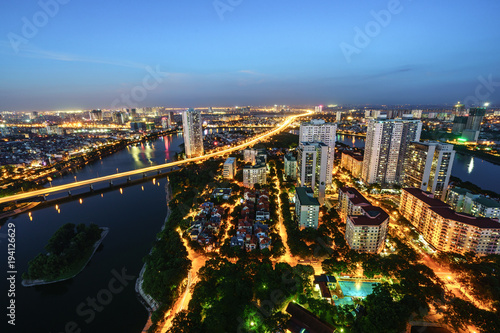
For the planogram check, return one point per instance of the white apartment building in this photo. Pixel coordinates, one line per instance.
(386, 149)
(254, 156)
(318, 130)
(366, 225)
(306, 208)
(229, 170)
(428, 167)
(254, 174)
(290, 166)
(193, 133)
(447, 230)
(313, 167)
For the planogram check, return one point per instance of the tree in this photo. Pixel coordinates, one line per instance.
(186, 322)
(381, 306)
(334, 266)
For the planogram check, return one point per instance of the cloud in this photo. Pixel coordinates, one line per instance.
(390, 72)
(29, 51)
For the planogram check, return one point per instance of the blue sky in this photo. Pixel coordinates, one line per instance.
(89, 53)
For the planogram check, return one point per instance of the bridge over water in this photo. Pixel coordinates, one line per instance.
(89, 183)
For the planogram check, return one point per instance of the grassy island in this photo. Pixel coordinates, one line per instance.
(68, 252)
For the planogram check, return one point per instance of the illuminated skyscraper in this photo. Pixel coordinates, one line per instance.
(193, 133)
(428, 167)
(96, 115)
(386, 149)
(312, 163)
(319, 131)
(476, 116)
(459, 109)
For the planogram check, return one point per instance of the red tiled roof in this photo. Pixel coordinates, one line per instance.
(426, 197)
(354, 155)
(480, 222)
(373, 216)
(354, 196)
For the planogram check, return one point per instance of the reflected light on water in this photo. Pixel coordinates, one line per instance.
(471, 165)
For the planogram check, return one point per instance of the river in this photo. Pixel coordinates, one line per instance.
(475, 170)
(134, 216)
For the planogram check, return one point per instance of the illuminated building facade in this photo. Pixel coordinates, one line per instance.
(193, 133)
(318, 130)
(428, 167)
(386, 148)
(366, 225)
(447, 230)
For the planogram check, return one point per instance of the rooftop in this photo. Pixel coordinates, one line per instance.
(354, 196)
(374, 216)
(324, 278)
(230, 160)
(487, 202)
(426, 197)
(304, 194)
(480, 222)
(316, 122)
(355, 155)
(459, 190)
(256, 166)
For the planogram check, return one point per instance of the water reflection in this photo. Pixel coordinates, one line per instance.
(143, 155)
(471, 165)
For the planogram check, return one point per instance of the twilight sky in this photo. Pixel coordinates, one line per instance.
(90, 54)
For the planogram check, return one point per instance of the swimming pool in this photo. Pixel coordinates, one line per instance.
(344, 301)
(357, 288)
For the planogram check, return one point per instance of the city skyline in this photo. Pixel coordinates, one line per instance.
(84, 56)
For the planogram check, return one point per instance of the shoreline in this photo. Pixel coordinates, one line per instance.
(146, 300)
(69, 166)
(19, 210)
(32, 283)
(491, 160)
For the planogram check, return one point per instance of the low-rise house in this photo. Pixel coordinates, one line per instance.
(225, 193)
(241, 232)
(249, 196)
(323, 284)
(251, 242)
(264, 243)
(261, 215)
(237, 241)
(194, 234)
